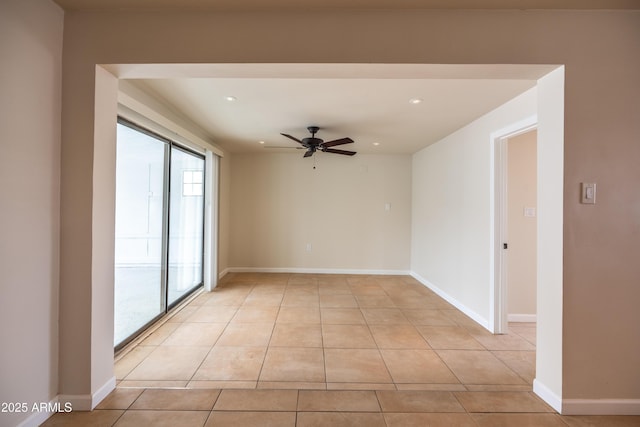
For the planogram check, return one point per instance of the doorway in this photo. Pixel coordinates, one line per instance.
(499, 303)
(159, 232)
(521, 227)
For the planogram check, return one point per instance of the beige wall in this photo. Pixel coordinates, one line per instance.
(30, 88)
(602, 98)
(521, 229)
(279, 204)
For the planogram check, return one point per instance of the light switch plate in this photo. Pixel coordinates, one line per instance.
(588, 193)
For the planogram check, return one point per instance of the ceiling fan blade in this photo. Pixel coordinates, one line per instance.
(345, 152)
(292, 137)
(337, 142)
(309, 153)
(285, 148)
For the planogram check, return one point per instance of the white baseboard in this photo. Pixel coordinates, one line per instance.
(522, 318)
(79, 402)
(601, 407)
(86, 402)
(315, 271)
(37, 418)
(223, 273)
(451, 300)
(547, 395)
(103, 392)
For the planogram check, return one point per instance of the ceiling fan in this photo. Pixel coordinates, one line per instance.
(313, 144)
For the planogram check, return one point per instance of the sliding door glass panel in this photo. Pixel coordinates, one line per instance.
(140, 172)
(186, 226)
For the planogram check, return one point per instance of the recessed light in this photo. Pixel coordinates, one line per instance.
(415, 101)
(260, 142)
(376, 143)
(230, 98)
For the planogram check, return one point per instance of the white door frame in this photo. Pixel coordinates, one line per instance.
(498, 323)
(212, 191)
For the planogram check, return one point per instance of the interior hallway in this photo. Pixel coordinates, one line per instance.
(305, 350)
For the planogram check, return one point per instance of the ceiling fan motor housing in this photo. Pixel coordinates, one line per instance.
(312, 141)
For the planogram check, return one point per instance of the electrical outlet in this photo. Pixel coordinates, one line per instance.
(308, 247)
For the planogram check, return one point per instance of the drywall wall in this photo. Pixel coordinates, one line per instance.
(30, 84)
(602, 98)
(550, 299)
(286, 214)
(103, 233)
(521, 225)
(451, 223)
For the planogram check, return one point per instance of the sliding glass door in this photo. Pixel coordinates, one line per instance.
(139, 263)
(186, 225)
(159, 228)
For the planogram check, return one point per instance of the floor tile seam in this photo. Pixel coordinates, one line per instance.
(429, 412)
(136, 399)
(539, 399)
(166, 410)
(207, 355)
(125, 378)
(264, 359)
(324, 354)
(459, 402)
(268, 346)
(384, 362)
(252, 410)
(562, 419)
(324, 365)
(498, 385)
(375, 392)
(298, 402)
(448, 367)
(116, 420)
(337, 410)
(513, 370)
(415, 329)
(508, 367)
(511, 413)
(496, 337)
(216, 399)
(377, 346)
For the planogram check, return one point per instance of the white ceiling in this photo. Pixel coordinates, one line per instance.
(368, 103)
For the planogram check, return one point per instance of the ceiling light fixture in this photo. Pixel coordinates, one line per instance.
(415, 101)
(230, 98)
(376, 143)
(260, 142)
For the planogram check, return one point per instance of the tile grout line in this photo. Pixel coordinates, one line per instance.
(237, 307)
(377, 346)
(266, 351)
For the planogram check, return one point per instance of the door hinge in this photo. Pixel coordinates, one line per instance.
(505, 246)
